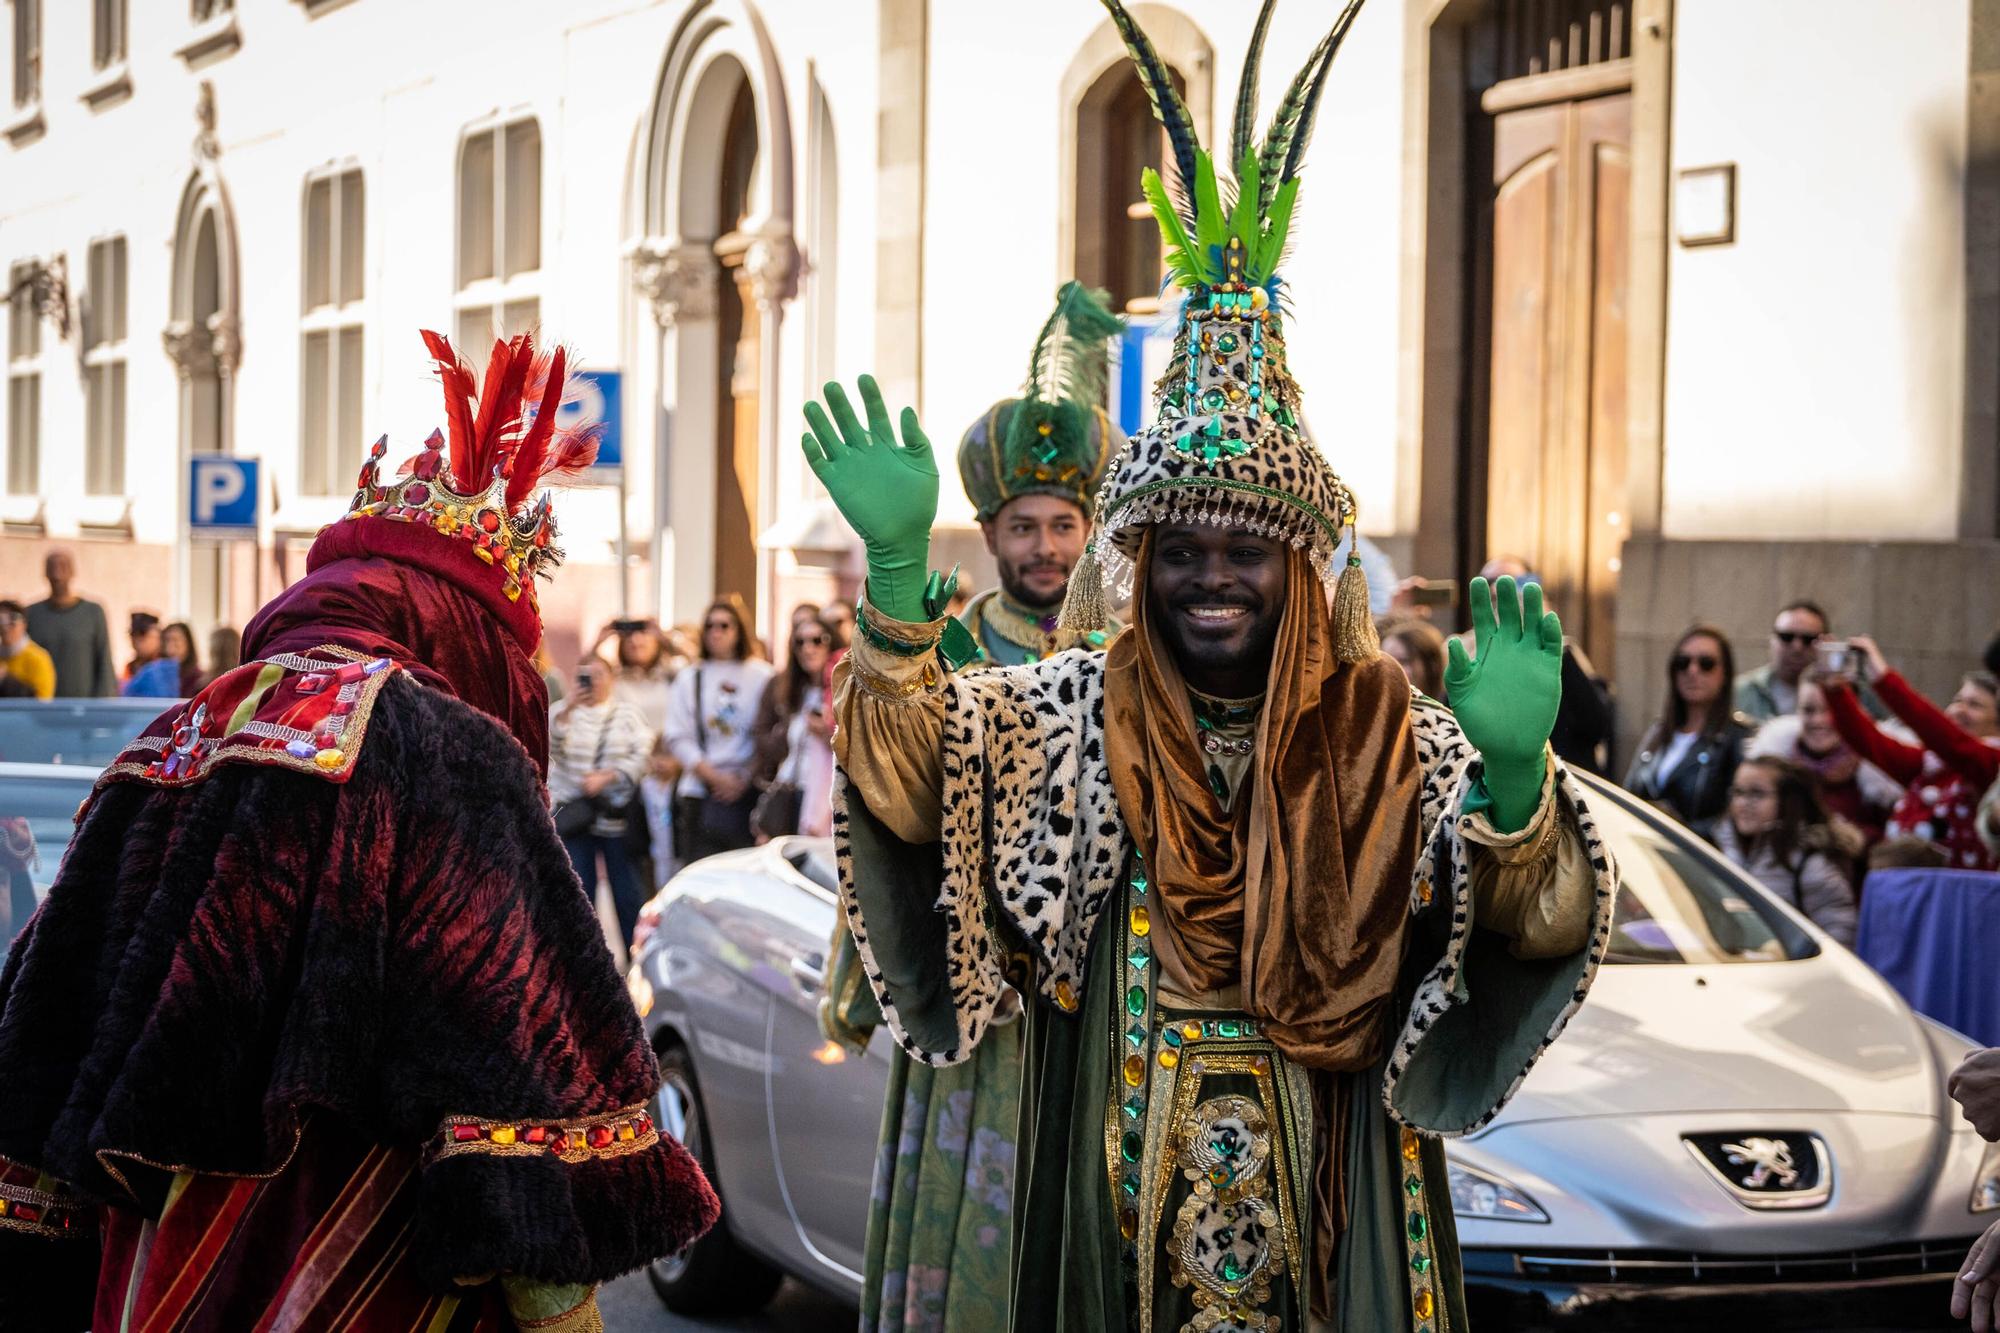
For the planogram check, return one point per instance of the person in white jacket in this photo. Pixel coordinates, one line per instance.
(710, 730)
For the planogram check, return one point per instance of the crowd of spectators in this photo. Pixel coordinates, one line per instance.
(1806, 770)
(670, 744)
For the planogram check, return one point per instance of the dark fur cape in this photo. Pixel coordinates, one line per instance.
(217, 960)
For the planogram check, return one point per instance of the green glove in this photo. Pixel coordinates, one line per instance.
(887, 491)
(1506, 698)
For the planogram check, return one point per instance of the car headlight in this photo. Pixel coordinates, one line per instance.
(1986, 1185)
(1482, 1195)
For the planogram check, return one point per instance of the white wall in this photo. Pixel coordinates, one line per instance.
(1815, 368)
(390, 87)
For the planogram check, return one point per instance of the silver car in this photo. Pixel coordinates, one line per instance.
(1743, 1122)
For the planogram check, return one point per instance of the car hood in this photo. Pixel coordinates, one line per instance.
(1816, 1034)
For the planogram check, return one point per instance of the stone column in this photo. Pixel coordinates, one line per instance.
(899, 199)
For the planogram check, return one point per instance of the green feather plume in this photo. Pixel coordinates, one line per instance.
(1158, 81)
(1182, 258)
(1242, 139)
(1270, 250)
(1285, 123)
(1070, 368)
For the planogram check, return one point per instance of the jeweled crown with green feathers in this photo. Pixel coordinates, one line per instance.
(1226, 446)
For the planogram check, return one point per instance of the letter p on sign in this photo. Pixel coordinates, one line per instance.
(222, 495)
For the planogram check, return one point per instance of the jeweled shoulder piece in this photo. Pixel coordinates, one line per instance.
(304, 711)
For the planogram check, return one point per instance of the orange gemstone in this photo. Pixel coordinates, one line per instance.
(1142, 921)
(1425, 1305)
(1191, 1031)
(1135, 1069)
(1410, 1145)
(1169, 1057)
(1065, 997)
(1128, 1223)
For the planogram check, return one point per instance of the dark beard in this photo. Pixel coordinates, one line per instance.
(1011, 586)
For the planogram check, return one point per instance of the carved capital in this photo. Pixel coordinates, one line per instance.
(679, 280)
(225, 342)
(772, 266)
(191, 350)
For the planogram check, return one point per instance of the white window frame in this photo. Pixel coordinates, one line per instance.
(26, 69)
(20, 368)
(495, 293)
(332, 319)
(109, 52)
(102, 356)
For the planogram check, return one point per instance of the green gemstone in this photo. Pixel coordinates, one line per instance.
(1418, 1228)
(1135, 1001)
(1136, 1034)
(1140, 955)
(1257, 352)
(1214, 400)
(1213, 428)
(1231, 1269)
(1130, 1146)
(1210, 453)
(1229, 1027)
(1140, 884)
(1421, 1264)
(1096, 638)
(1413, 1187)
(1228, 342)
(1130, 1185)
(1171, 1035)
(1048, 450)
(1135, 1106)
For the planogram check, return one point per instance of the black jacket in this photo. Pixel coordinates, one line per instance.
(1697, 790)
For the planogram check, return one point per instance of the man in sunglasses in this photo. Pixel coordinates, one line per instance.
(1772, 690)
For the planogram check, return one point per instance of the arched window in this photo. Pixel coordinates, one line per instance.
(1117, 243)
(499, 232)
(331, 334)
(24, 382)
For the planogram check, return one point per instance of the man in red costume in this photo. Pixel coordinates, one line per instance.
(316, 1028)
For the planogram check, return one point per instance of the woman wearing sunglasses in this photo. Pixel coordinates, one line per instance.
(1689, 756)
(794, 763)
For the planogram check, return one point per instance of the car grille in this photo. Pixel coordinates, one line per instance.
(1680, 1268)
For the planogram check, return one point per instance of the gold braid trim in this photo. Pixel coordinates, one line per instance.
(36, 1212)
(619, 1133)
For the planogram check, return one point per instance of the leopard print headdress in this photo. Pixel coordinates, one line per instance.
(1226, 447)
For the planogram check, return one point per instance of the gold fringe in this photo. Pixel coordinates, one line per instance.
(1354, 637)
(1083, 609)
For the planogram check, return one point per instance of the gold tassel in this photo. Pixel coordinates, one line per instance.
(1354, 637)
(1083, 610)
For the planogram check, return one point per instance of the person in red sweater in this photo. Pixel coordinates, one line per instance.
(1944, 776)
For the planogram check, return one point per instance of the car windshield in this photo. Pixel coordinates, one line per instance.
(36, 811)
(72, 731)
(1680, 904)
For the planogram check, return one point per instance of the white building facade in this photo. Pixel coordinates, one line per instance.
(1506, 336)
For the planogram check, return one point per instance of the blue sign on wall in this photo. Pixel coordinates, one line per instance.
(593, 398)
(1139, 357)
(222, 495)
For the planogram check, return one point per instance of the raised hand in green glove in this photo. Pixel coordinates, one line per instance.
(1506, 697)
(886, 490)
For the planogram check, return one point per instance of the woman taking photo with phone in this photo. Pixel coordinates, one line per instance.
(1945, 776)
(1688, 758)
(597, 753)
(710, 731)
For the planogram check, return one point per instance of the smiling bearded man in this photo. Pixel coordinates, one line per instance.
(1279, 924)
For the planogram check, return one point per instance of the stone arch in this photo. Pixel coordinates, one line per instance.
(720, 54)
(204, 340)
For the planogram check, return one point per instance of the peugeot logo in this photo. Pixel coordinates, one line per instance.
(1767, 1169)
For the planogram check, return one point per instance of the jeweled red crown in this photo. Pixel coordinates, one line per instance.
(473, 485)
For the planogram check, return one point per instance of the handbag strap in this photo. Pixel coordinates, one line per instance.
(700, 729)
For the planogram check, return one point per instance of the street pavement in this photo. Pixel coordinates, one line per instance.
(630, 1306)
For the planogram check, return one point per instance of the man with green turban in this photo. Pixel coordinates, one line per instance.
(1031, 466)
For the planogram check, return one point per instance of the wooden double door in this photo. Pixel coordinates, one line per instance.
(1555, 246)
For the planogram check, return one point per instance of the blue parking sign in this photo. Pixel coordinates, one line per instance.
(222, 495)
(592, 398)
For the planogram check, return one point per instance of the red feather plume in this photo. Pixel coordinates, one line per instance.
(489, 424)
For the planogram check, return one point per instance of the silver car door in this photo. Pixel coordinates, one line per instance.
(825, 1099)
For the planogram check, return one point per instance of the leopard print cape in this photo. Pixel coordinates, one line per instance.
(1032, 832)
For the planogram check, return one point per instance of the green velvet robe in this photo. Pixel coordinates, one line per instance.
(1035, 878)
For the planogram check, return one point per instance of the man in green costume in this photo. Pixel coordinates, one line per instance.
(1279, 923)
(940, 1217)
(1030, 466)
